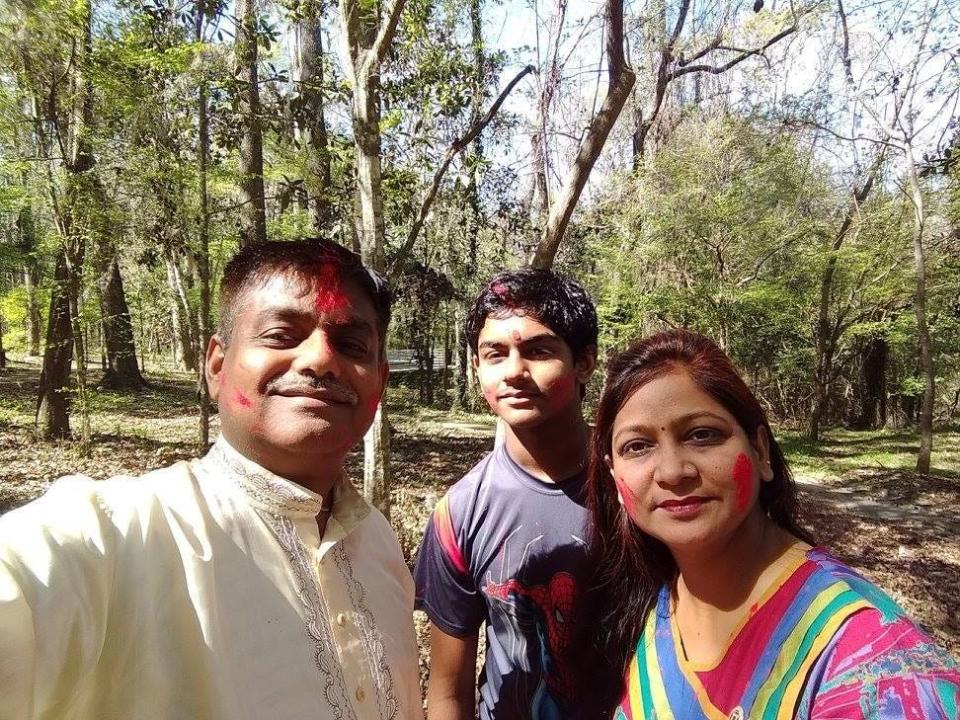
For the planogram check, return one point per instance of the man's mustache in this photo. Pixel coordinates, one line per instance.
(337, 390)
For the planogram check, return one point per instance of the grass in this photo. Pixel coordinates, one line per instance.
(842, 451)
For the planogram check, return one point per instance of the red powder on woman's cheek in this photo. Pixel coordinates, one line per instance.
(743, 478)
(626, 495)
(330, 296)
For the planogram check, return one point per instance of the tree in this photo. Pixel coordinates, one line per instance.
(253, 218)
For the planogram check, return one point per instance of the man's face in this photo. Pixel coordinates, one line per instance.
(302, 373)
(527, 372)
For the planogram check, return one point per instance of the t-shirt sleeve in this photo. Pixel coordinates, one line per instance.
(53, 595)
(445, 586)
(887, 668)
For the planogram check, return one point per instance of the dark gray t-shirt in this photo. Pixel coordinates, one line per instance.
(509, 550)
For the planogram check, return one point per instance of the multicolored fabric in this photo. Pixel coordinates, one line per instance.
(822, 643)
(506, 549)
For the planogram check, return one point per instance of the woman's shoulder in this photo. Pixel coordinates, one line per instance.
(881, 659)
(835, 570)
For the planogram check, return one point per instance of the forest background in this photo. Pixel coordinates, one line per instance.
(782, 176)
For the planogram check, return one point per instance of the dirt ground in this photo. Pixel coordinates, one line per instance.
(900, 529)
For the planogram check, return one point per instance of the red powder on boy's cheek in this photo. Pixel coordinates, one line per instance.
(330, 296)
(626, 495)
(743, 477)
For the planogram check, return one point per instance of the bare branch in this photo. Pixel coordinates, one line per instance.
(458, 145)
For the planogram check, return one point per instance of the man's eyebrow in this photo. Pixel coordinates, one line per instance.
(286, 314)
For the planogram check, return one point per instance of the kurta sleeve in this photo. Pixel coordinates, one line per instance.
(54, 594)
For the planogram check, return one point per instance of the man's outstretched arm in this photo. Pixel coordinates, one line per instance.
(452, 686)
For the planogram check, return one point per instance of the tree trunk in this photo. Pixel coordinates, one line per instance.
(367, 40)
(621, 78)
(122, 372)
(826, 333)
(203, 258)
(253, 218)
(310, 126)
(27, 230)
(53, 402)
(873, 385)
(34, 325)
(185, 348)
(920, 308)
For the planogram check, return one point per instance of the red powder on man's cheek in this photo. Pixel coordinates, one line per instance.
(372, 404)
(743, 478)
(330, 296)
(626, 495)
(242, 399)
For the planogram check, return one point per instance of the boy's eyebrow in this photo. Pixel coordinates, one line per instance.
(549, 337)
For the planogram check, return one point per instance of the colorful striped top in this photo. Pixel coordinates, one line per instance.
(822, 643)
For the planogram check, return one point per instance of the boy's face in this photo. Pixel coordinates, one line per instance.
(527, 372)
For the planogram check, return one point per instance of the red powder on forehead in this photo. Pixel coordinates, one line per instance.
(330, 296)
(626, 495)
(517, 337)
(743, 478)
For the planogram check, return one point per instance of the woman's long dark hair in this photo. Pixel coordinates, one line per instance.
(628, 566)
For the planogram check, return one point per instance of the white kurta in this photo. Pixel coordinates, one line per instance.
(203, 590)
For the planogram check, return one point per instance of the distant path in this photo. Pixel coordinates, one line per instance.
(863, 498)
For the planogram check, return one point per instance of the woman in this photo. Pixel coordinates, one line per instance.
(709, 600)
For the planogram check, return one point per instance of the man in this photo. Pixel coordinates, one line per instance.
(505, 546)
(251, 583)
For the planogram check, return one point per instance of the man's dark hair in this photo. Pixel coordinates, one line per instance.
(557, 302)
(255, 264)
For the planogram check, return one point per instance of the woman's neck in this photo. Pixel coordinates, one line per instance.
(717, 586)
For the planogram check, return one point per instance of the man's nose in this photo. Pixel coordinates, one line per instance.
(317, 355)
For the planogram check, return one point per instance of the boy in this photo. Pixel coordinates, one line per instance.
(505, 546)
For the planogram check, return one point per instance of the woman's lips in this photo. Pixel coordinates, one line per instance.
(683, 507)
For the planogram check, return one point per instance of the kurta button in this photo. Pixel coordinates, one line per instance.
(341, 619)
(360, 694)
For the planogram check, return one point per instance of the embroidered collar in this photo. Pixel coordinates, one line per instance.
(279, 496)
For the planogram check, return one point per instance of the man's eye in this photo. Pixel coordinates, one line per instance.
(278, 337)
(352, 347)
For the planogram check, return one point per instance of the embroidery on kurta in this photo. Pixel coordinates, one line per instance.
(372, 641)
(318, 624)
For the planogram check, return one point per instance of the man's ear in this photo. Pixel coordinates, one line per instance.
(586, 364)
(213, 366)
(761, 446)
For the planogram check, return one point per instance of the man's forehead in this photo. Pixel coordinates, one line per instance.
(326, 293)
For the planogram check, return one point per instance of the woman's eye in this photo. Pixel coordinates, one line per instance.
(704, 435)
(633, 448)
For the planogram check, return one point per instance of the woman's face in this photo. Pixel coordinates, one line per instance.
(686, 472)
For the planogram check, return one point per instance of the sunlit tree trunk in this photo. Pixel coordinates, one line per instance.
(367, 40)
(253, 219)
(122, 371)
(310, 126)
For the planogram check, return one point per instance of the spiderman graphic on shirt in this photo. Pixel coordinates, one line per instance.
(550, 607)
